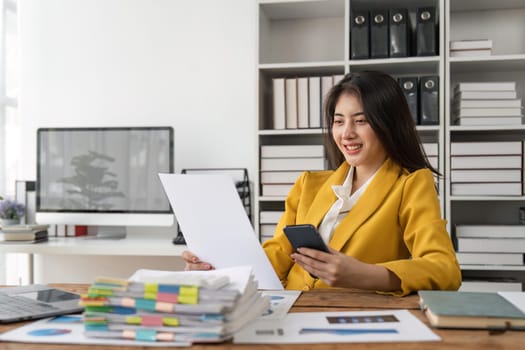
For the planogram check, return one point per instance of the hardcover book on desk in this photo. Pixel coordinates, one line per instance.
(474, 310)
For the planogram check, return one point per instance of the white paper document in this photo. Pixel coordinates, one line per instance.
(281, 301)
(215, 225)
(337, 327)
(232, 278)
(515, 298)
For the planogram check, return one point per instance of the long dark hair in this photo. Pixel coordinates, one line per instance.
(388, 114)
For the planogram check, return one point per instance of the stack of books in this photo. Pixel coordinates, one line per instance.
(493, 247)
(268, 220)
(487, 103)
(470, 48)
(431, 149)
(190, 306)
(281, 165)
(24, 234)
(486, 168)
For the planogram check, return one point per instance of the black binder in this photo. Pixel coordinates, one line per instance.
(410, 88)
(379, 34)
(359, 35)
(399, 32)
(429, 100)
(426, 32)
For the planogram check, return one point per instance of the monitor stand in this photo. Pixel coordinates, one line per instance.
(106, 232)
(179, 239)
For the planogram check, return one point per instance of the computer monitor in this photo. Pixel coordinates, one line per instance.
(106, 178)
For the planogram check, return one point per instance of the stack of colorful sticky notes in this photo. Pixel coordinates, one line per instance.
(173, 312)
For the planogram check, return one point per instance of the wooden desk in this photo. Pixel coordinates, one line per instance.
(335, 300)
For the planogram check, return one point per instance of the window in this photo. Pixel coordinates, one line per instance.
(9, 128)
(9, 122)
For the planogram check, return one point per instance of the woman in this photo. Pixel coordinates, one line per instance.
(378, 211)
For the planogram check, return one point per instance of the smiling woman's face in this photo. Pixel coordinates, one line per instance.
(354, 136)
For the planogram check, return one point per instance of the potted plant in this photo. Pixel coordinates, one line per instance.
(11, 211)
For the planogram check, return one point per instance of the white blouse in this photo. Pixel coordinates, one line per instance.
(344, 203)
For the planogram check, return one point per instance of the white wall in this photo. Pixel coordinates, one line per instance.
(185, 63)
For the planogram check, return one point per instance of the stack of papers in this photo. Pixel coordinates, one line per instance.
(186, 307)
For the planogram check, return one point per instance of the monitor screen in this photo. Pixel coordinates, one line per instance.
(103, 176)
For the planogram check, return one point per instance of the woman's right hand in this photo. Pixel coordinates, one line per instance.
(194, 263)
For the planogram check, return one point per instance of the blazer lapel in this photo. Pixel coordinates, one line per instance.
(326, 197)
(370, 200)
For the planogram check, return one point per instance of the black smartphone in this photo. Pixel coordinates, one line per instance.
(305, 236)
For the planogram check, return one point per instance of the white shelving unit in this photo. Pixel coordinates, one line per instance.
(298, 38)
(503, 23)
(157, 246)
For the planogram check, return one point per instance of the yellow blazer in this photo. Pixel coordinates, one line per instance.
(396, 224)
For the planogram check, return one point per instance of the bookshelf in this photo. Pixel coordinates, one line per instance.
(503, 24)
(305, 38)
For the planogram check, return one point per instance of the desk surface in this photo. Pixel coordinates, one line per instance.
(336, 300)
(154, 246)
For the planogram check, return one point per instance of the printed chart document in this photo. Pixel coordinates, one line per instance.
(337, 327)
(215, 225)
(281, 301)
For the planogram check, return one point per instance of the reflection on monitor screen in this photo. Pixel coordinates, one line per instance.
(104, 177)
